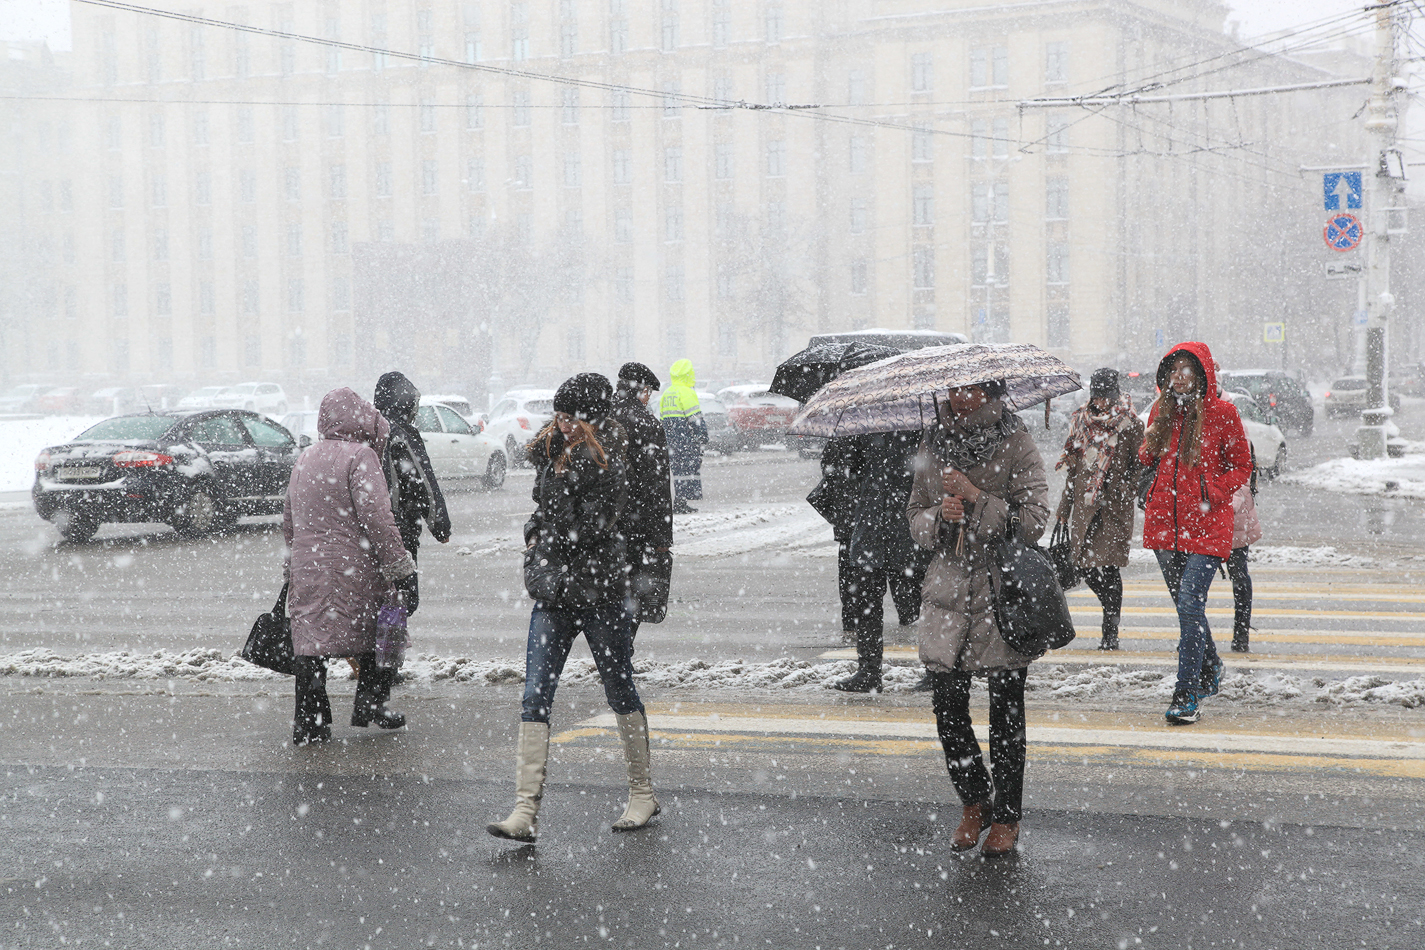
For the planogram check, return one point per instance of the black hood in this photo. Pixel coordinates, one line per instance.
(396, 398)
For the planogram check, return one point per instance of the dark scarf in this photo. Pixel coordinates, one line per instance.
(967, 447)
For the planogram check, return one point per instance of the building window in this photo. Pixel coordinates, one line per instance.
(989, 66)
(519, 31)
(381, 119)
(923, 205)
(923, 260)
(202, 189)
(163, 300)
(252, 350)
(999, 58)
(341, 293)
(623, 284)
(670, 25)
(160, 244)
(722, 89)
(623, 167)
(200, 128)
(776, 216)
(152, 55)
(922, 73)
(524, 171)
(294, 239)
(207, 351)
(425, 32)
(205, 244)
(671, 106)
(672, 164)
(721, 23)
(722, 160)
(1059, 336)
(121, 301)
(775, 20)
(922, 145)
(291, 126)
(337, 181)
(197, 55)
(1056, 135)
(1056, 204)
(859, 215)
(857, 155)
(245, 126)
(292, 183)
(568, 39)
(673, 282)
(520, 107)
(673, 223)
(206, 304)
(569, 105)
(473, 50)
(1001, 137)
(675, 340)
(249, 241)
(113, 133)
(242, 56)
(726, 283)
(858, 276)
(426, 109)
(160, 191)
(156, 130)
(475, 174)
(618, 27)
(623, 225)
(572, 170)
(116, 247)
(116, 191)
(1056, 267)
(296, 292)
(334, 118)
(727, 341)
(474, 111)
(979, 203)
(979, 139)
(338, 237)
(383, 179)
(1001, 202)
(856, 87)
(621, 108)
(1056, 62)
(776, 88)
(776, 159)
(249, 296)
(332, 30)
(430, 182)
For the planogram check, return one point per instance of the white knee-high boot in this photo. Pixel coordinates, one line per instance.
(530, 757)
(633, 730)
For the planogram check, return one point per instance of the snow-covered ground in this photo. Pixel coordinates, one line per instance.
(1398, 478)
(1046, 679)
(24, 438)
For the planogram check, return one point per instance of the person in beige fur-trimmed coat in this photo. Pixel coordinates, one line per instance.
(978, 461)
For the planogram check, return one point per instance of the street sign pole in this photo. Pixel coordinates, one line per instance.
(1381, 123)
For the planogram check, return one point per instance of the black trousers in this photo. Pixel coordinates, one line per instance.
(1107, 585)
(313, 708)
(950, 695)
(863, 593)
(1241, 594)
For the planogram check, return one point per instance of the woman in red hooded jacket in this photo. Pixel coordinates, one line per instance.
(1196, 443)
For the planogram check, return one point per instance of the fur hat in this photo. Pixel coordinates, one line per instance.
(1104, 384)
(585, 396)
(640, 374)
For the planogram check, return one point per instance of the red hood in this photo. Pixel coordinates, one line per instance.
(1197, 351)
(346, 417)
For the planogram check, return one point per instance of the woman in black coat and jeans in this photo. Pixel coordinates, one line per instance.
(576, 571)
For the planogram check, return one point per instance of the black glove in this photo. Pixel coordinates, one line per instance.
(408, 592)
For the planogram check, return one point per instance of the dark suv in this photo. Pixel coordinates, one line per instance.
(1281, 398)
(195, 471)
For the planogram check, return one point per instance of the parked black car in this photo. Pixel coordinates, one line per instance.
(195, 471)
(1281, 398)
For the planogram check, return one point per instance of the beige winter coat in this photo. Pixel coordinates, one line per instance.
(1101, 534)
(957, 621)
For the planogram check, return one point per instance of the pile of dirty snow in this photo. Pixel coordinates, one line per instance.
(23, 439)
(1253, 688)
(1398, 478)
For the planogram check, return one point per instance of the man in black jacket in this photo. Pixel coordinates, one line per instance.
(648, 518)
(415, 494)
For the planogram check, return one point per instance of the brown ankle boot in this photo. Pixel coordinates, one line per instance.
(1000, 840)
(973, 823)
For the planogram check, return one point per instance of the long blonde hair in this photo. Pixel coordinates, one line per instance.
(584, 434)
(1160, 431)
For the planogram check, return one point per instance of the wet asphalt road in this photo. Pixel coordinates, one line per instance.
(142, 814)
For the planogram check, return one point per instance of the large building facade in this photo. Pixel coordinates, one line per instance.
(490, 193)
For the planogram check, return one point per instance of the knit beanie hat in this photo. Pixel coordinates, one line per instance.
(1104, 384)
(585, 396)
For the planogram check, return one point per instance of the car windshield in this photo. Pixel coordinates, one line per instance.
(129, 427)
(541, 406)
(1349, 383)
(246, 390)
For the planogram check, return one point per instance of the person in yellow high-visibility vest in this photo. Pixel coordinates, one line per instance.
(682, 418)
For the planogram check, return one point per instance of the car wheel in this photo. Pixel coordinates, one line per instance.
(199, 514)
(1279, 463)
(512, 449)
(495, 472)
(75, 528)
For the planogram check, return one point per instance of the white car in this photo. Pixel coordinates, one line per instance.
(254, 397)
(457, 452)
(200, 398)
(1268, 443)
(301, 423)
(518, 418)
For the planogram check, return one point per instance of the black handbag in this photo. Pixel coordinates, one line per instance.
(1061, 554)
(269, 643)
(1030, 608)
(546, 578)
(649, 584)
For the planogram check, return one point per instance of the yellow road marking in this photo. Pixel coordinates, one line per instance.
(1086, 656)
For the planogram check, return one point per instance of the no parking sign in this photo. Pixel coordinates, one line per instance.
(1343, 232)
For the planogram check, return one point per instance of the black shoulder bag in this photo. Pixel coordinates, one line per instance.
(1061, 554)
(269, 643)
(1030, 608)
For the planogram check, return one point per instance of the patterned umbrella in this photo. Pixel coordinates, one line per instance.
(802, 374)
(900, 393)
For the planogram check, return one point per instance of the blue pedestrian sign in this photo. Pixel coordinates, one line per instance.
(1342, 191)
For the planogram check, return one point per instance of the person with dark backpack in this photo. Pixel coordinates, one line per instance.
(648, 517)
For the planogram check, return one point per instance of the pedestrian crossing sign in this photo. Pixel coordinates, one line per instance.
(1273, 332)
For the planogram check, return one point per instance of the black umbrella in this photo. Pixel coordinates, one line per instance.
(802, 374)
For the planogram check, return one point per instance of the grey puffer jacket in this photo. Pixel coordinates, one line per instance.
(957, 618)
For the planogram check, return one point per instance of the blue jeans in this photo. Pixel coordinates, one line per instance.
(552, 631)
(1189, 576)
